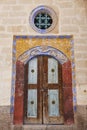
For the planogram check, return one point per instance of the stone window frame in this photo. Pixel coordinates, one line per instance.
(50, 12)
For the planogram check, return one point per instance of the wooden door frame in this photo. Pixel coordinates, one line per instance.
(66, 84)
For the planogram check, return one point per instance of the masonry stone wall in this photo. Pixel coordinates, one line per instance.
(5, 118)
(72, 20)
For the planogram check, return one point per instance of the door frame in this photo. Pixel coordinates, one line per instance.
(42, 92)
(66, 82)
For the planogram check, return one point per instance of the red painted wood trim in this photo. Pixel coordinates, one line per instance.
(19, 93)
(67, 93)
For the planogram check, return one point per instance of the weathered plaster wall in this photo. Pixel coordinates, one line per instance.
(72, 20)
(14, 20)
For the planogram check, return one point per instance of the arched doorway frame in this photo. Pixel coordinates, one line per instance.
(66, 76)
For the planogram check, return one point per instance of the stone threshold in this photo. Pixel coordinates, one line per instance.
(43, 127)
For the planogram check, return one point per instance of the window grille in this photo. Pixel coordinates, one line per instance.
(43, 21)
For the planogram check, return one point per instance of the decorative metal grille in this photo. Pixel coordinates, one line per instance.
(43, 20)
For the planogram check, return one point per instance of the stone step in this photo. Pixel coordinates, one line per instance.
(44, 127)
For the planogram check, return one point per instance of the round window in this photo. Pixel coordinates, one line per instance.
(43, 19)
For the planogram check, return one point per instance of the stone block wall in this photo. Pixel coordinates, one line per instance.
(72, 20)
(5, 118)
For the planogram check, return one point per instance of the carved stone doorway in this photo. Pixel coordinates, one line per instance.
(65, 76)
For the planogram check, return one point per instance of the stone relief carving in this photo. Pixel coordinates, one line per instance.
(43, 50)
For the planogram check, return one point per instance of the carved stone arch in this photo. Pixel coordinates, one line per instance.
(66, 81)
(43, 50)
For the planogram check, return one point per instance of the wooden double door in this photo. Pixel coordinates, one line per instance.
(43, 91)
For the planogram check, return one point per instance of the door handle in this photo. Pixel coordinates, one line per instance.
(44, 89)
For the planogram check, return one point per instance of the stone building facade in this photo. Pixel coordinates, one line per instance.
(21, 41)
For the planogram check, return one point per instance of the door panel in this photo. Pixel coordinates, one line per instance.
(33, 99)
(32, 71)
(53, 111)
(52, 70)
(32, 103)
(53, 103)
(43, 95)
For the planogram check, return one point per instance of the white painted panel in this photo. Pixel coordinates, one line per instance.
(32, 103)
(32, 71)
(52, 70)
(53, 102)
